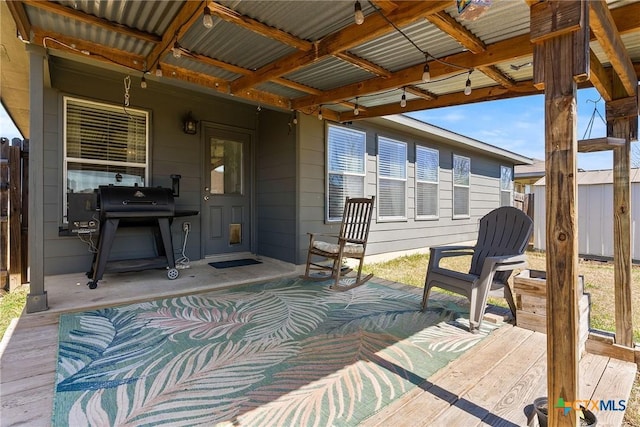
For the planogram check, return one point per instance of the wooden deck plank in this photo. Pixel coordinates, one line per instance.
(34, 411)
(479, 401)
(592, 368)
(515, 407)
(425, 403)
(615, 384)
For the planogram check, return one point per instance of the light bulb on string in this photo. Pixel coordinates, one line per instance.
(158, 71)
(403, 100)
(207, 19)
(320, 114)
(467, 85)
(426, 74)
(143, 82)
(358, 16)
(356, 110)
(176, 50)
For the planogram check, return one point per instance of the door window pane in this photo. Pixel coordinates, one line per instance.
(226, 167)
(461, 190)
(392, 178)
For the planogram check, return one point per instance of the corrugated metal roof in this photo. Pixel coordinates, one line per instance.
(200, 68)
(235, 45)
(503, 20)
(329, 73)
(394, 52)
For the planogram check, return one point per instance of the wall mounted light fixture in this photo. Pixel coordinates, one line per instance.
(190, 125)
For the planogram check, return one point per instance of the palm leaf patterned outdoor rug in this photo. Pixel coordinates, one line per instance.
(285, 353)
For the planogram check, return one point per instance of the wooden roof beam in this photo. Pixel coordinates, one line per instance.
(466, 38)
(599, 144)
(340, 41)
(92, 50)
(498, 52)
(478, 95)
(363, 63)
(176, 29)
(258, 27)
(92, 20)
(16, 8)
(421, 93)
(600, 77)
(604, 28)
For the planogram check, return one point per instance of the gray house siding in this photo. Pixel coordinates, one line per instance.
(171, 152)
(406, 234)
(276, 187)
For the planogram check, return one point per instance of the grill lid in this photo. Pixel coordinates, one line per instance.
(136, 201)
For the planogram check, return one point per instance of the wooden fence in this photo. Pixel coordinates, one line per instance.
(14, 212)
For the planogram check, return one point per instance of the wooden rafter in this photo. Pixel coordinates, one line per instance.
(92, 20)
(422, 93)
(363, 63)
(450, 26)
(600, 78)
(353, 35)
(495, 53)
(604, 27)
(448, 100)
(16, 8)
(178, 26)
(258, 27)
(80, 47)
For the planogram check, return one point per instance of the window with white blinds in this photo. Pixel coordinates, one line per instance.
(103, 144)
(506, 186)
(427, 182)
(392, 179)
(345, 167)
(461, 186)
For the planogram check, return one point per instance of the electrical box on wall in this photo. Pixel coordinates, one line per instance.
(82, 212)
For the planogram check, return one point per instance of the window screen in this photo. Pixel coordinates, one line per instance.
(392, 178)
(103, 144)
(461, 184)
(427, 178)
(345, 166)
(506, 186)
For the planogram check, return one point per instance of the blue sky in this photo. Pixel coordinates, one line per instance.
(7, 128)
(515, 124)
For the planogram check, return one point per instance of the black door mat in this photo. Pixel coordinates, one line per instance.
(234, 263)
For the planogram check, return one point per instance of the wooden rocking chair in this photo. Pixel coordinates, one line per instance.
(350, 243)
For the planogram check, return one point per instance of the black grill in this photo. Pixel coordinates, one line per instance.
(138, 206)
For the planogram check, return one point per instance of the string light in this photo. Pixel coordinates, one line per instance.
(358, 15)
(143, 82)
(403, 100)
(158, 71)
(356, 110)
(176, 50)
(320, 113)
(467, 86)
(426, 74)
(207, 19)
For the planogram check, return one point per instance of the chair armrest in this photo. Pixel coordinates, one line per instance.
(505, 262)
(439, 252)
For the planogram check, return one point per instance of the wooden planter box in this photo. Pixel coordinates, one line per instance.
(530, 288)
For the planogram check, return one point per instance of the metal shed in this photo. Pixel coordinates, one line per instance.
(595, 214)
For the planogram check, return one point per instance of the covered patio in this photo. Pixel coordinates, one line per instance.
(494, 384)
(337, 70)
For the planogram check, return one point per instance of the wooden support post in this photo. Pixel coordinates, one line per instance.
(25, 211)
(15, 206)
(559, 27)
(622, 122)
(4, 213)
